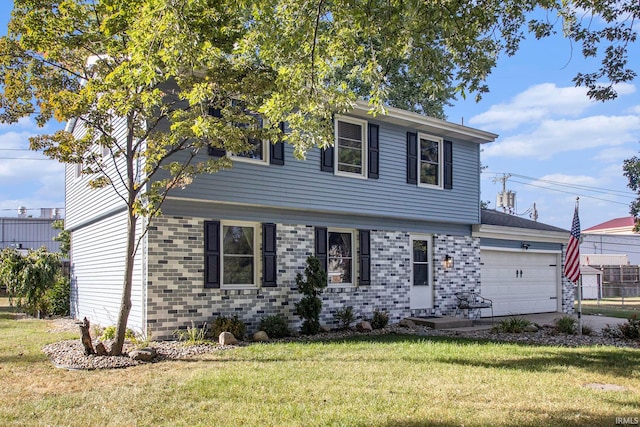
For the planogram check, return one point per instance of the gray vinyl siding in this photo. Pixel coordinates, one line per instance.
(301, 185)
(97, 254)
(217, 211)
(517, 244)
(82, 202)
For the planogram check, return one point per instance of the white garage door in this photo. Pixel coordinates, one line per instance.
(519, 282)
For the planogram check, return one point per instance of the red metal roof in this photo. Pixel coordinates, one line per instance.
(627, 221)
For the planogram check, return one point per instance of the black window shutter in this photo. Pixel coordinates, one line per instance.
(412, 158)
(365, 257)
(326, 159)
(321, 246)
(211, 254)
(277, 150)
(269, 268)
(448, 165)
(374, 152)
(215, 151)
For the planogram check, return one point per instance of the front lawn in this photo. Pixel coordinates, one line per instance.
(612, 307)
(394, 380)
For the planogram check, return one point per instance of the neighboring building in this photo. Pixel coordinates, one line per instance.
(623, 226)
(389, 212)
(24, 233)
(614, 237)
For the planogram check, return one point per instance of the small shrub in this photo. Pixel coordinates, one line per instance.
(192, 335)
(586, 330)
(58, 297)
(566, 325)
(631, 329)
(380, 319)
(512, 325)
(229, 324)
(109, 333)
(310, 305)
(344, 317)
(275, 326)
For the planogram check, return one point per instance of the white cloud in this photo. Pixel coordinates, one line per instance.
(556, 136)
(616, 154)
(539, 102)
(533, 105)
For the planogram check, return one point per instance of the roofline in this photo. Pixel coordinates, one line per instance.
(509, 233)
(428, 124)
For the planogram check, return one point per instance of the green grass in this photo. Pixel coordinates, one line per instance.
(394, 380)
(612, 307)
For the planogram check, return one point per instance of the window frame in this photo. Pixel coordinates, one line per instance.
(440, 142)
(257, 251)
(354, 257)
(265, 147)
(364, 148)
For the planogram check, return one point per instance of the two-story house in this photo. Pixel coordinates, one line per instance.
(388, 211)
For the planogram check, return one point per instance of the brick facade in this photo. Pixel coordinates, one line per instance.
(176, 295)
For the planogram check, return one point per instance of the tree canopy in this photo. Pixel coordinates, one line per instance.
(140, 64)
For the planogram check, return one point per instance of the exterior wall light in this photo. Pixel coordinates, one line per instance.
(447, 262)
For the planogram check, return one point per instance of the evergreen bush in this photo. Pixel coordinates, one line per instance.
(310, 305)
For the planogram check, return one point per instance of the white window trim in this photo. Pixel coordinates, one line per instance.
(440, 142)
(354, 257)
(429, 239)
(257, 258)
(265, 151)
(364, 149)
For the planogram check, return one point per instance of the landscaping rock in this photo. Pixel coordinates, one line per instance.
(261, 336)
(531, 328)
(406, 323)
(227, 338)
(325, 328)
(144, 354)
(101, 350)
(364, 326)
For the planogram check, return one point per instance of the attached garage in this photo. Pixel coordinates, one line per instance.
(521, 265)
(520, 282)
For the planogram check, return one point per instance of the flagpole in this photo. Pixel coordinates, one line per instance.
(580, 305)
(579, 284)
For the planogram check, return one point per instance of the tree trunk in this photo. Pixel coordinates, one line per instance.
(125, 304)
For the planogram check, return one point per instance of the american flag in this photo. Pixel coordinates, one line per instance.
(572, 262)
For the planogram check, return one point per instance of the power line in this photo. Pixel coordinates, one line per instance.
(573, 187)
(626, 193)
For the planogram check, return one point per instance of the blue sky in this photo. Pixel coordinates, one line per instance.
(556, 143)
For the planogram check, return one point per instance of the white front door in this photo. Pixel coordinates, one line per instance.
(421, 293)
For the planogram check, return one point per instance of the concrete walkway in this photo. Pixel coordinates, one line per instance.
(597, 323)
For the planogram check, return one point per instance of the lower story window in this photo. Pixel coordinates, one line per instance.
(239, 254)
(340, 257)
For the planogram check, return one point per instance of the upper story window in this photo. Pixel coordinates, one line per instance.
(430, 164)
(340, 257)
(257, 151)
(351, 146)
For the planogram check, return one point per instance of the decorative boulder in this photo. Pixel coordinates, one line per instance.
(261, 336)
(407, 323)
(325, 328)
(143, 354)
(531, 328)
(364, 326)
(101, 350)
(227, 338)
